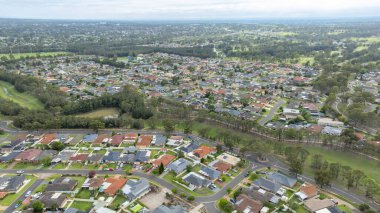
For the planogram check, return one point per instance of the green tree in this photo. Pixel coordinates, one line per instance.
(190, 198)
(317, 161)
(96, 125)
(225, 206)
(188, 127)
(46, 161)
(37, 206)
(59, 146)
(161, 168)
(168, 126)
(322, 177)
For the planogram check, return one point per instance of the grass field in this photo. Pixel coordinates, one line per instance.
(360, 48)
(42, 54)
(82, 205)
(370, 167)
(101, 113)
(7, 91)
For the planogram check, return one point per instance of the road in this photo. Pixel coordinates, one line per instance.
(11, 208)
(272, 111)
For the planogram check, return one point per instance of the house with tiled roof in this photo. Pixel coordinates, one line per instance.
(221, 166)
(47, 139)
(164, 159)
(248, 205)
(28, 155)
(101, 139)
(131, 137)
(111, 185)
(135, 189)
(144, 141)
(204, 151)
(116, 140)
(79, 157)
(179, 165)
(307, 191)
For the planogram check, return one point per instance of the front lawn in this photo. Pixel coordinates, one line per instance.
(83, 194)
(60, 166)
(120, 199)
(25, 166)
(82, 205)
(76, 166)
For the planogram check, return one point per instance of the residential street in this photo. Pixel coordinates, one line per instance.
(272, 111)
(22, 196)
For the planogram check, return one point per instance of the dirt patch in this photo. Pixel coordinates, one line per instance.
(154, 200)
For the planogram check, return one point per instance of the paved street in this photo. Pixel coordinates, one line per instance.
(22, 196)
(272, 111)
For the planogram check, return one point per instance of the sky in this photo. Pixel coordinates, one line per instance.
(187, 9)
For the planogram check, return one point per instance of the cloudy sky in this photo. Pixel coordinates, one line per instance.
(186, 9)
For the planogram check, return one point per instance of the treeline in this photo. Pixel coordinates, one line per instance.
(128, 101)
(9, 108)
(122, 50)
(49, 95)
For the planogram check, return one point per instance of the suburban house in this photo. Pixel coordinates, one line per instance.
(82, 157)
(203, 151)
(164, 159)
(196, 181)
(261, 195)
(50, 199)
(175, 140)
(307, 191)
(282, 179)
(130, 137)
(62, 184)
(179, 165)
(9, 157)
(47, 154)
(111, 185)
(171, 209)
(330, 122)
(11, 183)
(47, 139)
(314, 204)
(63, 156)
(95, 158)
(331, 209)
(93, 183)
(247, 205)
(90, 138)
(112, 156)
(144, 141)
(142, 156)
(210, 173)
(220, 166)
(290, 113)
(28, 155)
(268, 185)
(135, 189)
(158, 140)
(102, 139)
(116, 140)
(189, 147)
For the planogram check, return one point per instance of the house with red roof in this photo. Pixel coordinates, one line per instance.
(47, 139)
(144, 141)
(111, 185)
(204, 151)
(164, 159)
(116, 140)
(130, 137)
(79, 157)
(29, 155)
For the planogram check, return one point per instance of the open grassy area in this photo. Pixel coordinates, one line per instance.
(101, 113)
(26, 166)
(42, 54)
(59, 166)
(83, 194)
(9, 199)
(82, 205)
(369, 167)
(360, 48)
(120, 199)
(7, 91)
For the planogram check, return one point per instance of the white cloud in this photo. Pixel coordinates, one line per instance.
(186, 9)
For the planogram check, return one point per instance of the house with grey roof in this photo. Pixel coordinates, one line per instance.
(282, 179)
(9, 157)
(142, 156)
(159, 140)
(62, 184)
(190, 147)
(111, 157)
(135, 189)
(95, 158)
(11, 183)
(47, 154)
(196, 181)
(210, 173)
(171, 209)
(63, 156)
(267, 185)
(179, 165)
